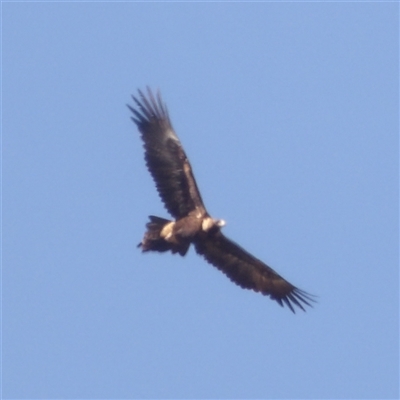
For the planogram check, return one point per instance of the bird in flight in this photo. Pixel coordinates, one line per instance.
(170, 168)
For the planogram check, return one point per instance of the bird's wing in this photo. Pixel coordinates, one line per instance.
(248, 272)
(165, 158)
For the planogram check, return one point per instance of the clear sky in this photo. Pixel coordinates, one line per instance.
(289, 115)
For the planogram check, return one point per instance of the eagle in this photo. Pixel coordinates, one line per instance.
(172, 173)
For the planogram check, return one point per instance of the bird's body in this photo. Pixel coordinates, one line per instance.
(174, 179)
(176, 236)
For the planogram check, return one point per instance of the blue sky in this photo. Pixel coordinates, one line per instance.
(289, 115)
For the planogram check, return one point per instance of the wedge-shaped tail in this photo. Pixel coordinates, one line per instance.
(156, 239)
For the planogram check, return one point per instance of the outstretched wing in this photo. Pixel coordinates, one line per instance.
(249, 272)
(165, 158)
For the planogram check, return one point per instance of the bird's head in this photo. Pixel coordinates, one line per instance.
(220, 222)
(210, 223)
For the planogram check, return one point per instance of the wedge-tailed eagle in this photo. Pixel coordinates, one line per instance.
(172, 173)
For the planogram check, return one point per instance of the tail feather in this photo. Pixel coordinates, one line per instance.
(153, 241)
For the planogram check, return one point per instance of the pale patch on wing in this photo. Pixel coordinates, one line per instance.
(207, 224)
(170, 134)
(167, 230)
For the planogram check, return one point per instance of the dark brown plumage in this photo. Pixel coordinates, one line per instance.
(170, 168)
